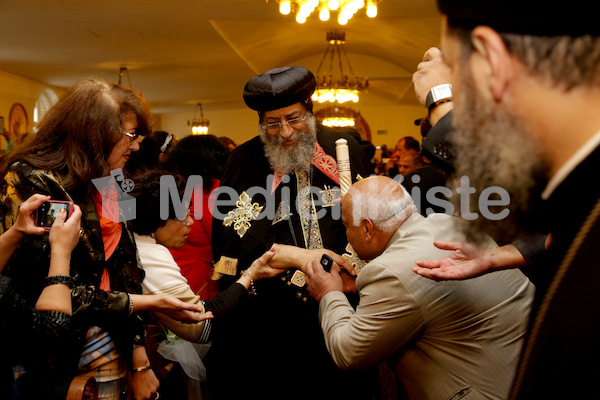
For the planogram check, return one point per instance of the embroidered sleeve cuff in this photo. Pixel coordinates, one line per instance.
(225, 266)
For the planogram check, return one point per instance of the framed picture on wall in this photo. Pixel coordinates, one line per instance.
(17, 122)
(6, 143)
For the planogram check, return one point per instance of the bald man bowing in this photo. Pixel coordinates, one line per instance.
(443, 339)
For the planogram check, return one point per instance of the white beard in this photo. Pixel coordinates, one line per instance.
(285, 159)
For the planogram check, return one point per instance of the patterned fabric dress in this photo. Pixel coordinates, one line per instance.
(92, 306)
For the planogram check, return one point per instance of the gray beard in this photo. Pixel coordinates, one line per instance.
(286, 159)
(494, 148)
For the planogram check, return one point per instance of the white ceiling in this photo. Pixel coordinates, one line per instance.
(182, 52)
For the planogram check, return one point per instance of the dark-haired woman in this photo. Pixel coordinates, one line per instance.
(204, 156)
(89, 132)
(155, 236)
(153, 150)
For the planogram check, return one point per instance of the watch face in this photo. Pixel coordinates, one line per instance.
(17, 122)
(441, 92)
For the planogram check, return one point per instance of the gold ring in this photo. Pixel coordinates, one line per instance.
(156, 396)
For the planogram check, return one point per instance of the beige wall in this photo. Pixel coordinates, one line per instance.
(14, 89)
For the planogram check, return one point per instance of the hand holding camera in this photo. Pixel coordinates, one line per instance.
(65, 231)
(48, 211)
(39, 214)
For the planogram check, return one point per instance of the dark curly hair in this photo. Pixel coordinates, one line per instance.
(203, 155)
(147, 190)
(148, 156)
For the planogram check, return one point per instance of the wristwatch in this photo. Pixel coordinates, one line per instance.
(437, 95)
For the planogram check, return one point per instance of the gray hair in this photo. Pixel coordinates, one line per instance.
(386, 212)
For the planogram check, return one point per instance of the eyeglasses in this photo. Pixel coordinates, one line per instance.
(292, 122)
(131, 135)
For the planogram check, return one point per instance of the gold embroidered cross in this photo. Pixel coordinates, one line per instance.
(244, 213)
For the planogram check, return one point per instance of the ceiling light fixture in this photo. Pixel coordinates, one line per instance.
(123, 71)
(344, 88)
(335, 116)
(345, 8)
(199, 125)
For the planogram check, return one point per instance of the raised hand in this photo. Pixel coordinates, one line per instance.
(467, 261)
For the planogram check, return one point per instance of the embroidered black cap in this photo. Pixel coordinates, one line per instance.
(530, 17)
(279, 87)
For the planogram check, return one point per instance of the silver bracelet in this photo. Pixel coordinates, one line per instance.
(130, 304)
(141, 369)
(252, 289)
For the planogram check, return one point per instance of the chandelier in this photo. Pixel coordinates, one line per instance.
(341, 122)
(199, 125)
(338, 117)
(345, 8)
(344, 88)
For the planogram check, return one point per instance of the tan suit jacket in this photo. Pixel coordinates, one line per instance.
(445, 340)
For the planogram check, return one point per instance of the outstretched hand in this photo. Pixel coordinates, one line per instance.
(177, 309)
(467, 261)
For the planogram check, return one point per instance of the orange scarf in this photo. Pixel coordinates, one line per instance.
(108, 212)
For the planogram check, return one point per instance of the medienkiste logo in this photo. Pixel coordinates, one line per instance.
(259, 201)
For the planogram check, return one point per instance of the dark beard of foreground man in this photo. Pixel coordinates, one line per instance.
(542, 65)
(506, 156)
(285, 159)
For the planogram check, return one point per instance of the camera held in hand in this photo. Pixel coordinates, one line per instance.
(47, 212)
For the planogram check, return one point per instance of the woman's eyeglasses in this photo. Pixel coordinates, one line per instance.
(131, 135)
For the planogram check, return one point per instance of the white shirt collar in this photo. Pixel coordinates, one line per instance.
(144, 239)
(568, 167)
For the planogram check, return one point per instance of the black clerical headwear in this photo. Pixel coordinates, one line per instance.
(278, 88)
(529, 17)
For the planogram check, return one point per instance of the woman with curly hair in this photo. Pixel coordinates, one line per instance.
(155, 237)
(205, 156)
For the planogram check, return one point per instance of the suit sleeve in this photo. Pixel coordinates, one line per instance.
(387, 318)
